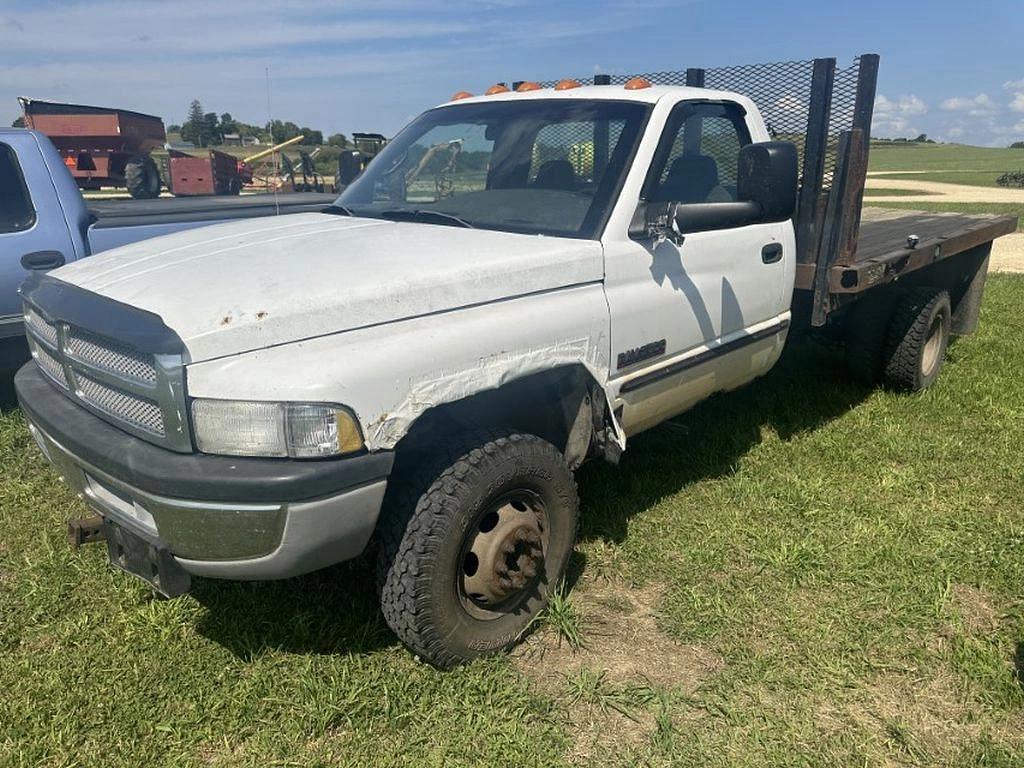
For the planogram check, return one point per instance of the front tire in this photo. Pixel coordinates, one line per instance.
(473, 543)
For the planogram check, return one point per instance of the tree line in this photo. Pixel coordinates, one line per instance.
(205, 129)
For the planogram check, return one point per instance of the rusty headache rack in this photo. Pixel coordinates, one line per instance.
(826, 110)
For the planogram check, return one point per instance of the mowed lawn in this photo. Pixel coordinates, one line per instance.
(950, 163)
(805, 572)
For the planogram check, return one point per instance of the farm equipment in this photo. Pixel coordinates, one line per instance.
(216, 174)
(353, 162)
(272, 173)
(101, 146)
(312, 181)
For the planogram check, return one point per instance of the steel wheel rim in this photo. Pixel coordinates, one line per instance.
(932, 347)
(503, 554)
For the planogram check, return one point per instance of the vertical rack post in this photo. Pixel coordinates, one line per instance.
(818, 116)
(863, 112)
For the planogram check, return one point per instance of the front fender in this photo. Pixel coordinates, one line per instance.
(391, 374)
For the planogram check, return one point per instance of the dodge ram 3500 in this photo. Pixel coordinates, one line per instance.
(44, 222)
(518, 282)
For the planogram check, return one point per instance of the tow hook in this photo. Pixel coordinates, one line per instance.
(85, 530)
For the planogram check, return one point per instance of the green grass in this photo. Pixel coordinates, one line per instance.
(1008, 209)
(952, 163)
(853, 560)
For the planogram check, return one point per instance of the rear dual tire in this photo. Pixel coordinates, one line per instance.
(472, 542)
(917, 340)
(900, 343)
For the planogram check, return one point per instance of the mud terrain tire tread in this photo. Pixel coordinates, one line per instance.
(422, 509)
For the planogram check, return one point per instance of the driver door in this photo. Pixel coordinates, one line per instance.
(706, 311)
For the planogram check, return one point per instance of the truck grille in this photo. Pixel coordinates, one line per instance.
(46, 330)
(144, 414)
(110, 356)
(132, 389)
(49, 364)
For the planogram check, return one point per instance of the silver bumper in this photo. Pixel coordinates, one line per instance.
(230, 541)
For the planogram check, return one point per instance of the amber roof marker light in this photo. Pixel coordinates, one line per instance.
(528, 86)
(496, 88)
(461, 95)
(637, 83)
(565, 85)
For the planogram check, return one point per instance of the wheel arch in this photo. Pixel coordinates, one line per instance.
(565, 405)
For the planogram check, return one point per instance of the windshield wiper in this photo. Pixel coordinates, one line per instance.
(338, 210)
(420, 214)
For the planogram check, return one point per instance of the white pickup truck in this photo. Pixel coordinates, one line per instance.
(517, 283)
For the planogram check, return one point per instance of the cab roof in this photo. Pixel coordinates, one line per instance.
(649, 95)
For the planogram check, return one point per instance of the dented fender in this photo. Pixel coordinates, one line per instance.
(391, 374)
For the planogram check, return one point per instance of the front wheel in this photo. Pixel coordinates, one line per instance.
(471, 547)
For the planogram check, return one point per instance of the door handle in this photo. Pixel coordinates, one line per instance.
(42, 260)
(771, 253)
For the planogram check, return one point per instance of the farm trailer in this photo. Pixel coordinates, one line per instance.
(102, 147)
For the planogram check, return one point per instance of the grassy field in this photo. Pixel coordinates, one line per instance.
(804, 572)
(935, 207)
(951, 163)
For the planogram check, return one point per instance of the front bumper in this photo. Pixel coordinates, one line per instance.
(222, 517)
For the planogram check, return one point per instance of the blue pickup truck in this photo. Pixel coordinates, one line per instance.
(45, 222)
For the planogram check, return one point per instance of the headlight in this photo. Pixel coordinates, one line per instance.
(298, 430)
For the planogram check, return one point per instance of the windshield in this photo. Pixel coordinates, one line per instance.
(535, 166)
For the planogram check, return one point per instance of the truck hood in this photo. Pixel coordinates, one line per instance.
(246, 285)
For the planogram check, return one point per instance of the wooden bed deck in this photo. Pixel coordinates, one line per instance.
(883, 252)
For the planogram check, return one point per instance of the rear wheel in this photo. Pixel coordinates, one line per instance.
(917, 340)
(472, 544)
(142, 178)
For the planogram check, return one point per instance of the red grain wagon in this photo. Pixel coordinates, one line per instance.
(102, 147)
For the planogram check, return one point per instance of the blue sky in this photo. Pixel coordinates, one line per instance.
(954, 70)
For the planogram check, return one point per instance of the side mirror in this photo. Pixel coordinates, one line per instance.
(766, 186)
(768, 176)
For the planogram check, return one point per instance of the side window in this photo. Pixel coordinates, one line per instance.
(16, 211)
(697, 159)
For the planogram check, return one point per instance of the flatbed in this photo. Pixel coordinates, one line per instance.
(891, 243)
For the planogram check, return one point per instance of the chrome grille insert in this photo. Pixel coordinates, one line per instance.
(49, 364)
(109, 356)
(46, 330)
(137, 411)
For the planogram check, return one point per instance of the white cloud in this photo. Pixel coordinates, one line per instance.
(1017, 105)
(981, 105)
(897, 117)
(1014, 85)
(903, 105)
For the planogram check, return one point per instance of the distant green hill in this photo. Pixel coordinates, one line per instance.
(952, 163)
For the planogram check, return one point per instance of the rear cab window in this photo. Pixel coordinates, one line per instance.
(16, 211)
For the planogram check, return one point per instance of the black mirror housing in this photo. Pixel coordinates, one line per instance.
(766, 186)
(768, 176)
